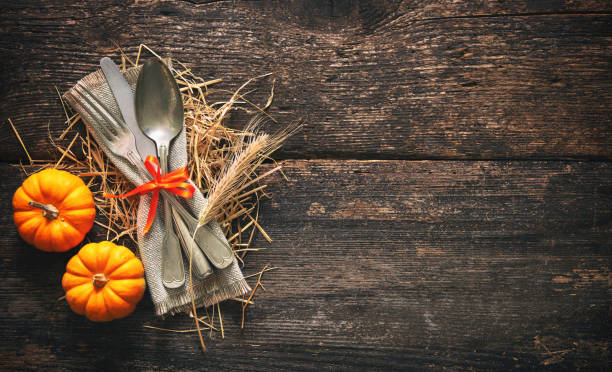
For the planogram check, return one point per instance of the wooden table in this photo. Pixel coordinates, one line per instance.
(449, 203)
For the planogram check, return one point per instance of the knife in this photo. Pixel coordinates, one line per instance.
(124, 96)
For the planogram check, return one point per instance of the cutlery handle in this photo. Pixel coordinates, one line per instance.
(202, 268)
(216, 250)
(163, 158)
(173, 268)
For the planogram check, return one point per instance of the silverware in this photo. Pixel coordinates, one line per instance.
(122, 142)
(198, 261)
(159, 112)
(145, 146)
(125, 100)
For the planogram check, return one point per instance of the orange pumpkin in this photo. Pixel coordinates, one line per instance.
(104, 281)
(53, 210)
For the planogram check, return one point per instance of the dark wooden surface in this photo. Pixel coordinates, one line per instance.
(474, 231)
(377, 79)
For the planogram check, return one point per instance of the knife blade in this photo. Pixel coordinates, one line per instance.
(124, 96)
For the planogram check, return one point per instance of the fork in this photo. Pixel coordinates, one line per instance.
(123, 144)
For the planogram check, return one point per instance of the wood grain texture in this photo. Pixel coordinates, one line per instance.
(374, 79)
(383, 265)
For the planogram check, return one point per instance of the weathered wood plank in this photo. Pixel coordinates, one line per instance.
(375, 79)
(383, 264)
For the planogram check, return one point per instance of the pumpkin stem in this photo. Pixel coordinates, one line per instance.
(99, 280)
(48, 210)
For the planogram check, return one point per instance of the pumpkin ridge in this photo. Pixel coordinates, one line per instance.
(109, 288)
(106, 306)
(93, 272)
(102, 257)
(96, 310)
(67, 226)
(70, 221)
(83, 292)
(69, 194)
(71, 280)
(40, 188)
(77, 286)
(21, 217)
(110, 275)
(126, 287)
(71, 185)
(53, 186)
(29, 197)
(38, 230)
(41, 182)
(89, 298)
(112, 309)
(89, 275)
(26, 221)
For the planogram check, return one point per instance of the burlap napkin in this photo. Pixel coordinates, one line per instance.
(222, 284)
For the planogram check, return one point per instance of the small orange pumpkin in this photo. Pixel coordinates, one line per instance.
(104, 281)
(53, 210)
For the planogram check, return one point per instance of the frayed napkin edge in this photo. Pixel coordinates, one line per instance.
(182, 303)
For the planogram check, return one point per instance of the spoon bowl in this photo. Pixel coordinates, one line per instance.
(159, 106)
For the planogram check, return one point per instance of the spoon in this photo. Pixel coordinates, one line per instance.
(159, 109)
(159, 113)
(166, 110)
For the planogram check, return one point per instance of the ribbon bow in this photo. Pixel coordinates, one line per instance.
(174, 182)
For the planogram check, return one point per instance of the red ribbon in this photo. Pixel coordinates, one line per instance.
(175, 182)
